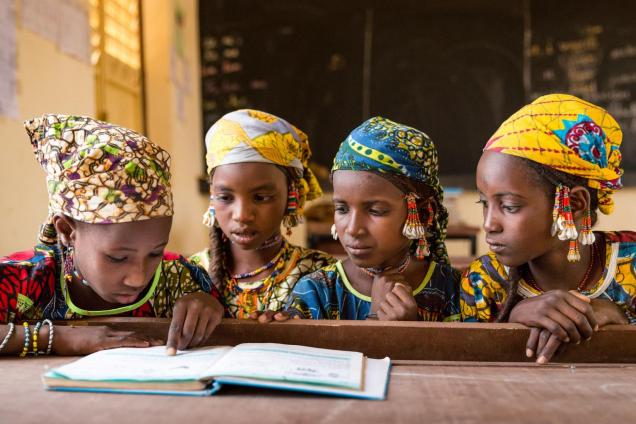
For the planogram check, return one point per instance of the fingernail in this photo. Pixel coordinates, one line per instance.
(529, 353)
(542, 360)
(171, 351)
(567, 340)
(588, 339)
(578, 343)
(596, 327)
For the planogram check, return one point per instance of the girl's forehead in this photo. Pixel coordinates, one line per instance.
(247, 174)
(354, 184)
(499, 173)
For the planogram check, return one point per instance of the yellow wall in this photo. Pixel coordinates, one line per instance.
(48, 81)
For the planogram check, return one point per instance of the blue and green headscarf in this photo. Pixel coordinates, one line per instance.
(382, 146)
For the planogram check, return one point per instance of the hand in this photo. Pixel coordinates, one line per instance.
(194, 318)
(567, 315)
(608, 312)
(398, 305)
(544, 343)
(269, 316)
(72, 340)
(383, 285)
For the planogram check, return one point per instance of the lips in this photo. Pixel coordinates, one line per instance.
(358, 250)
(496, 247)
(126, 298)
(243, 236)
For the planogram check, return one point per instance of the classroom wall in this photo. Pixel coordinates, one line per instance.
(67, 86)
(48, 81)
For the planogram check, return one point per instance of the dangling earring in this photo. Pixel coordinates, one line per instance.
(209, 216)
(413, 228)
(291, 218)
(563, 222)
(334, 233)
(70, 270)
(586, 237)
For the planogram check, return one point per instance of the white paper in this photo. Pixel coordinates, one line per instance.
(8, 91)
(278, 362)
(142, 364)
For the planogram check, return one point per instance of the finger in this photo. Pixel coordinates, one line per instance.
(281, 316)
(531, 345)
(404, 292)
(545, 322)
(393, 300)
(544, 336)
(199, 332)
(157, 342)
(579, 319)
(253, 315)
(582, 304)
(125, 341)
(297, 317)
(189, 328)
(549, 350)
(566, 324)
(174, 333)
(388, 311)
(267, 316)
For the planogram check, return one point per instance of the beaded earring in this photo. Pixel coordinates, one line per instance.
(334, 232)
(209, 216)
(291, 218)
(563, 222)
(413, 228)
(586, 237)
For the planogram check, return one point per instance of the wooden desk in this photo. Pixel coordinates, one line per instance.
(419, 391)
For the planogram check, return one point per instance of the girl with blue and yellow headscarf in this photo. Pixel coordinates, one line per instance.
(542, 177)
(259, 178)
(390, 218)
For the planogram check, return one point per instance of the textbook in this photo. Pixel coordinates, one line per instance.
(204, 371)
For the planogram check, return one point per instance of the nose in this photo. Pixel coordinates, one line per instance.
(492, 222)
(242, 211)
(137, 276)
(355, 225)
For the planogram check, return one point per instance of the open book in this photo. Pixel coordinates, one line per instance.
(204, 371)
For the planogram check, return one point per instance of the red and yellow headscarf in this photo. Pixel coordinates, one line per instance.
(570, 135)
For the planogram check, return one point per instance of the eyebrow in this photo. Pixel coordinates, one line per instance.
(266, 186)
(130, 249)
(508, 193)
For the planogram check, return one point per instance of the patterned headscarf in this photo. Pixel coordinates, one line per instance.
(99, 173)
(381, 145)
(570, 135)
(248, 135)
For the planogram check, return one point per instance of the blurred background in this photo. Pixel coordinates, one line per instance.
(170, 68)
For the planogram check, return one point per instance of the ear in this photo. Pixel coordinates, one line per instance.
(579, 202)
(66, 229)
(423, 206)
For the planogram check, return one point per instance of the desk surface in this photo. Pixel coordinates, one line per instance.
(431, 391)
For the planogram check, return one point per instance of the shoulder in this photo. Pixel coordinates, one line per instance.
(201, 258)
(41, 256)
(176, 268)
(485, 271)
(316, 258)
(625, 241)
(323, 277)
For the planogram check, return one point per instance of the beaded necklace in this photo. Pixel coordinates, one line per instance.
(257, 271)
(372, 272)
(527, 275)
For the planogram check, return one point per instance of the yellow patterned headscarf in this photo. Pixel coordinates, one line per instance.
(99, 173)
(248, 135)
(570, 135)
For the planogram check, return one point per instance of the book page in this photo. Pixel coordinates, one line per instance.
(280, 362)
(141, 364)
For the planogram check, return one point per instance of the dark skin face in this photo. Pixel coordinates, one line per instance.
(118, 260)
(518, 218)
(369, 215)
(250, 200)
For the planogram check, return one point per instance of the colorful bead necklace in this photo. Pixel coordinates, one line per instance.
(527, 275)
(257, 271)
(372, 272)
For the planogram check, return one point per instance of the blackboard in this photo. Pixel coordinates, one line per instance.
(452, 68)
(588, 49)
